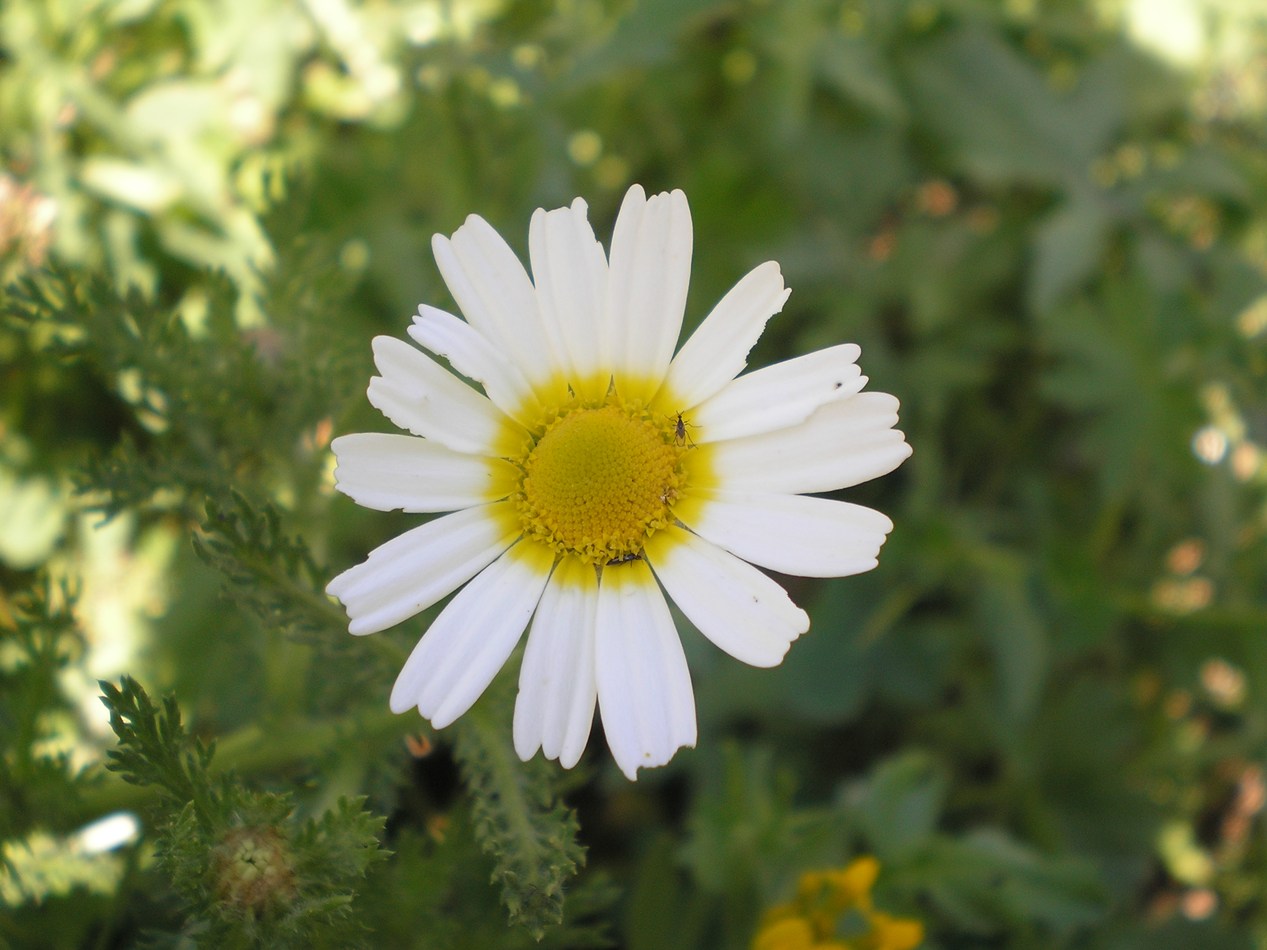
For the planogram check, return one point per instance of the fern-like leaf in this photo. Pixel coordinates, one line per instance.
(519, 821)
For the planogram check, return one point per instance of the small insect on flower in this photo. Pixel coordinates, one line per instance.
(624, 559)
(679, 432)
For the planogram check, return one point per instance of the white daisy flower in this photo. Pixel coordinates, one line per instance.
(598, 472)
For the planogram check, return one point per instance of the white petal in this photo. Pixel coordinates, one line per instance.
(474, 356)
(570, 271)
(411, 572)
(557, 689)
(646, 292)
(470, 641)
(791, 534)
(401, 472)
(418, 394)
(731, 602)
(495, 295)
(718, 349)
(644, 686)
(778, 396)
(840, 445)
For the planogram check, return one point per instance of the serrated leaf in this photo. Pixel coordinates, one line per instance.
(155, 749)
(519, 821)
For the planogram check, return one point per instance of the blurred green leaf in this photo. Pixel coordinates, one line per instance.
(1013, 630)
(999, 115)
(899, 804)
(992, 884)
(855, 69)
(1068, 246)
(645, 33)
(661, 913)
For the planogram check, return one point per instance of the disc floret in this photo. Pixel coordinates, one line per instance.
(599, 478)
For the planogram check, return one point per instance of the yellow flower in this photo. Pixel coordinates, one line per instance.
(788, 933)
(894, 933)
(823, 897)
(843, 888)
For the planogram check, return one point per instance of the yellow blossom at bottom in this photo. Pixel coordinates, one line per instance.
(790, 933)
(812, 920)
(894, 933)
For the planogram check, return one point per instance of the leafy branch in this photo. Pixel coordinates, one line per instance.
(251, 872)
(155, 749)
(38, 638)
(274, 573)
(203, 410)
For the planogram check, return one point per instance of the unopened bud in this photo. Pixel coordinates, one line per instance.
(254, 872)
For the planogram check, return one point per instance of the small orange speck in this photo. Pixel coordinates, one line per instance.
(321, 436)
(1178, 704)
(419, 746)
(1253, 790)
(438, 827)
(937, 198)
(1186, 557)
(1200, 903)
(882, 246)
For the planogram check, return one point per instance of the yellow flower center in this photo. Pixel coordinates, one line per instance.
(598, 480)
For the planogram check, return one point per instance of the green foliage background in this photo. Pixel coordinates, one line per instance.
(1045, 712)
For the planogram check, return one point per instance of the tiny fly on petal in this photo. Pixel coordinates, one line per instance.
(679, 431)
